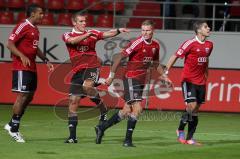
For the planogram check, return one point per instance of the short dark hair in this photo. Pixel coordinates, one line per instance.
(197, 25)
(75, 15)
(32, 8)
(148, 22)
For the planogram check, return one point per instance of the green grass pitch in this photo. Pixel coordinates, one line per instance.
(45, 129)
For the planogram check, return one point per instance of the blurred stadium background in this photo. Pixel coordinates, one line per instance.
(155, 135)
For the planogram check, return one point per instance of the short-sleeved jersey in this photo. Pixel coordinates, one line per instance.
(196, 55)
(83, 55)
(140, 53)
(26, 38)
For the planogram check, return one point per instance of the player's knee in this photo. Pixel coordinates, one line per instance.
(24, 99)
(73, 102)
(72, 114)
(195, 114)
(123, 113)
(88, 83)
(191, 106)
(137, 109)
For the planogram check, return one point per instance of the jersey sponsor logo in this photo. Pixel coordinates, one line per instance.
(144, 50)
(180, 51)
(82, 48)
(12, 36)
(202, 59)
(35, 43)
(147, 60)
(198, 50)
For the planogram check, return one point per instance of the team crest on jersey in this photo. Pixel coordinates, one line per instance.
(154, 50)
(207, 50)
(198, 50)
(144, 50)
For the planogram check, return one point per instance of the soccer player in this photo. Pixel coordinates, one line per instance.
(23, 44)
(142, 53)
(196, 52)
(81, 44)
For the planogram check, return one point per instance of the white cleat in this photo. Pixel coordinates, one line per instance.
(17, 136)
(7, 127)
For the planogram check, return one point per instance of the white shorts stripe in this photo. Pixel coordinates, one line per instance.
(130, 88)
(185, 90)
(20, 76)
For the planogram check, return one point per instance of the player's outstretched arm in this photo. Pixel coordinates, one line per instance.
(77, 39)
(13, 49)
(45, 60)
(113, 69)
(114, 32)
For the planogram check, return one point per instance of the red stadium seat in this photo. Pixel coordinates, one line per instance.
(41, 3)
(64, 19)
(136, 22)
(96, 5)
(75, 5)
(21, 16)
(235, 10)
(141, 12)
(104, 20)
(48, 19)
(90, 20)
(2, 4)
(119, 6)
(55, 4)
(6, 17)
(16, 4)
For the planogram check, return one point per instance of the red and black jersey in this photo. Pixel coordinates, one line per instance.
(83, 55)
(26, 38)
(140, 53)
(196, 55)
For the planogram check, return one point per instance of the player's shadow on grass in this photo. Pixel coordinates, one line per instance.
(147, 141)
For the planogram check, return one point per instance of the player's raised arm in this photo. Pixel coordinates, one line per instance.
(114, 32)
(77, 39)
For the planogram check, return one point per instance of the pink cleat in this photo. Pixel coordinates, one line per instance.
(193, 142)
(181, 136)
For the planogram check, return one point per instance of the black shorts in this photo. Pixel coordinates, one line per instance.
(24, 81)
(79, 77)
(133, 90)
(193, 92)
